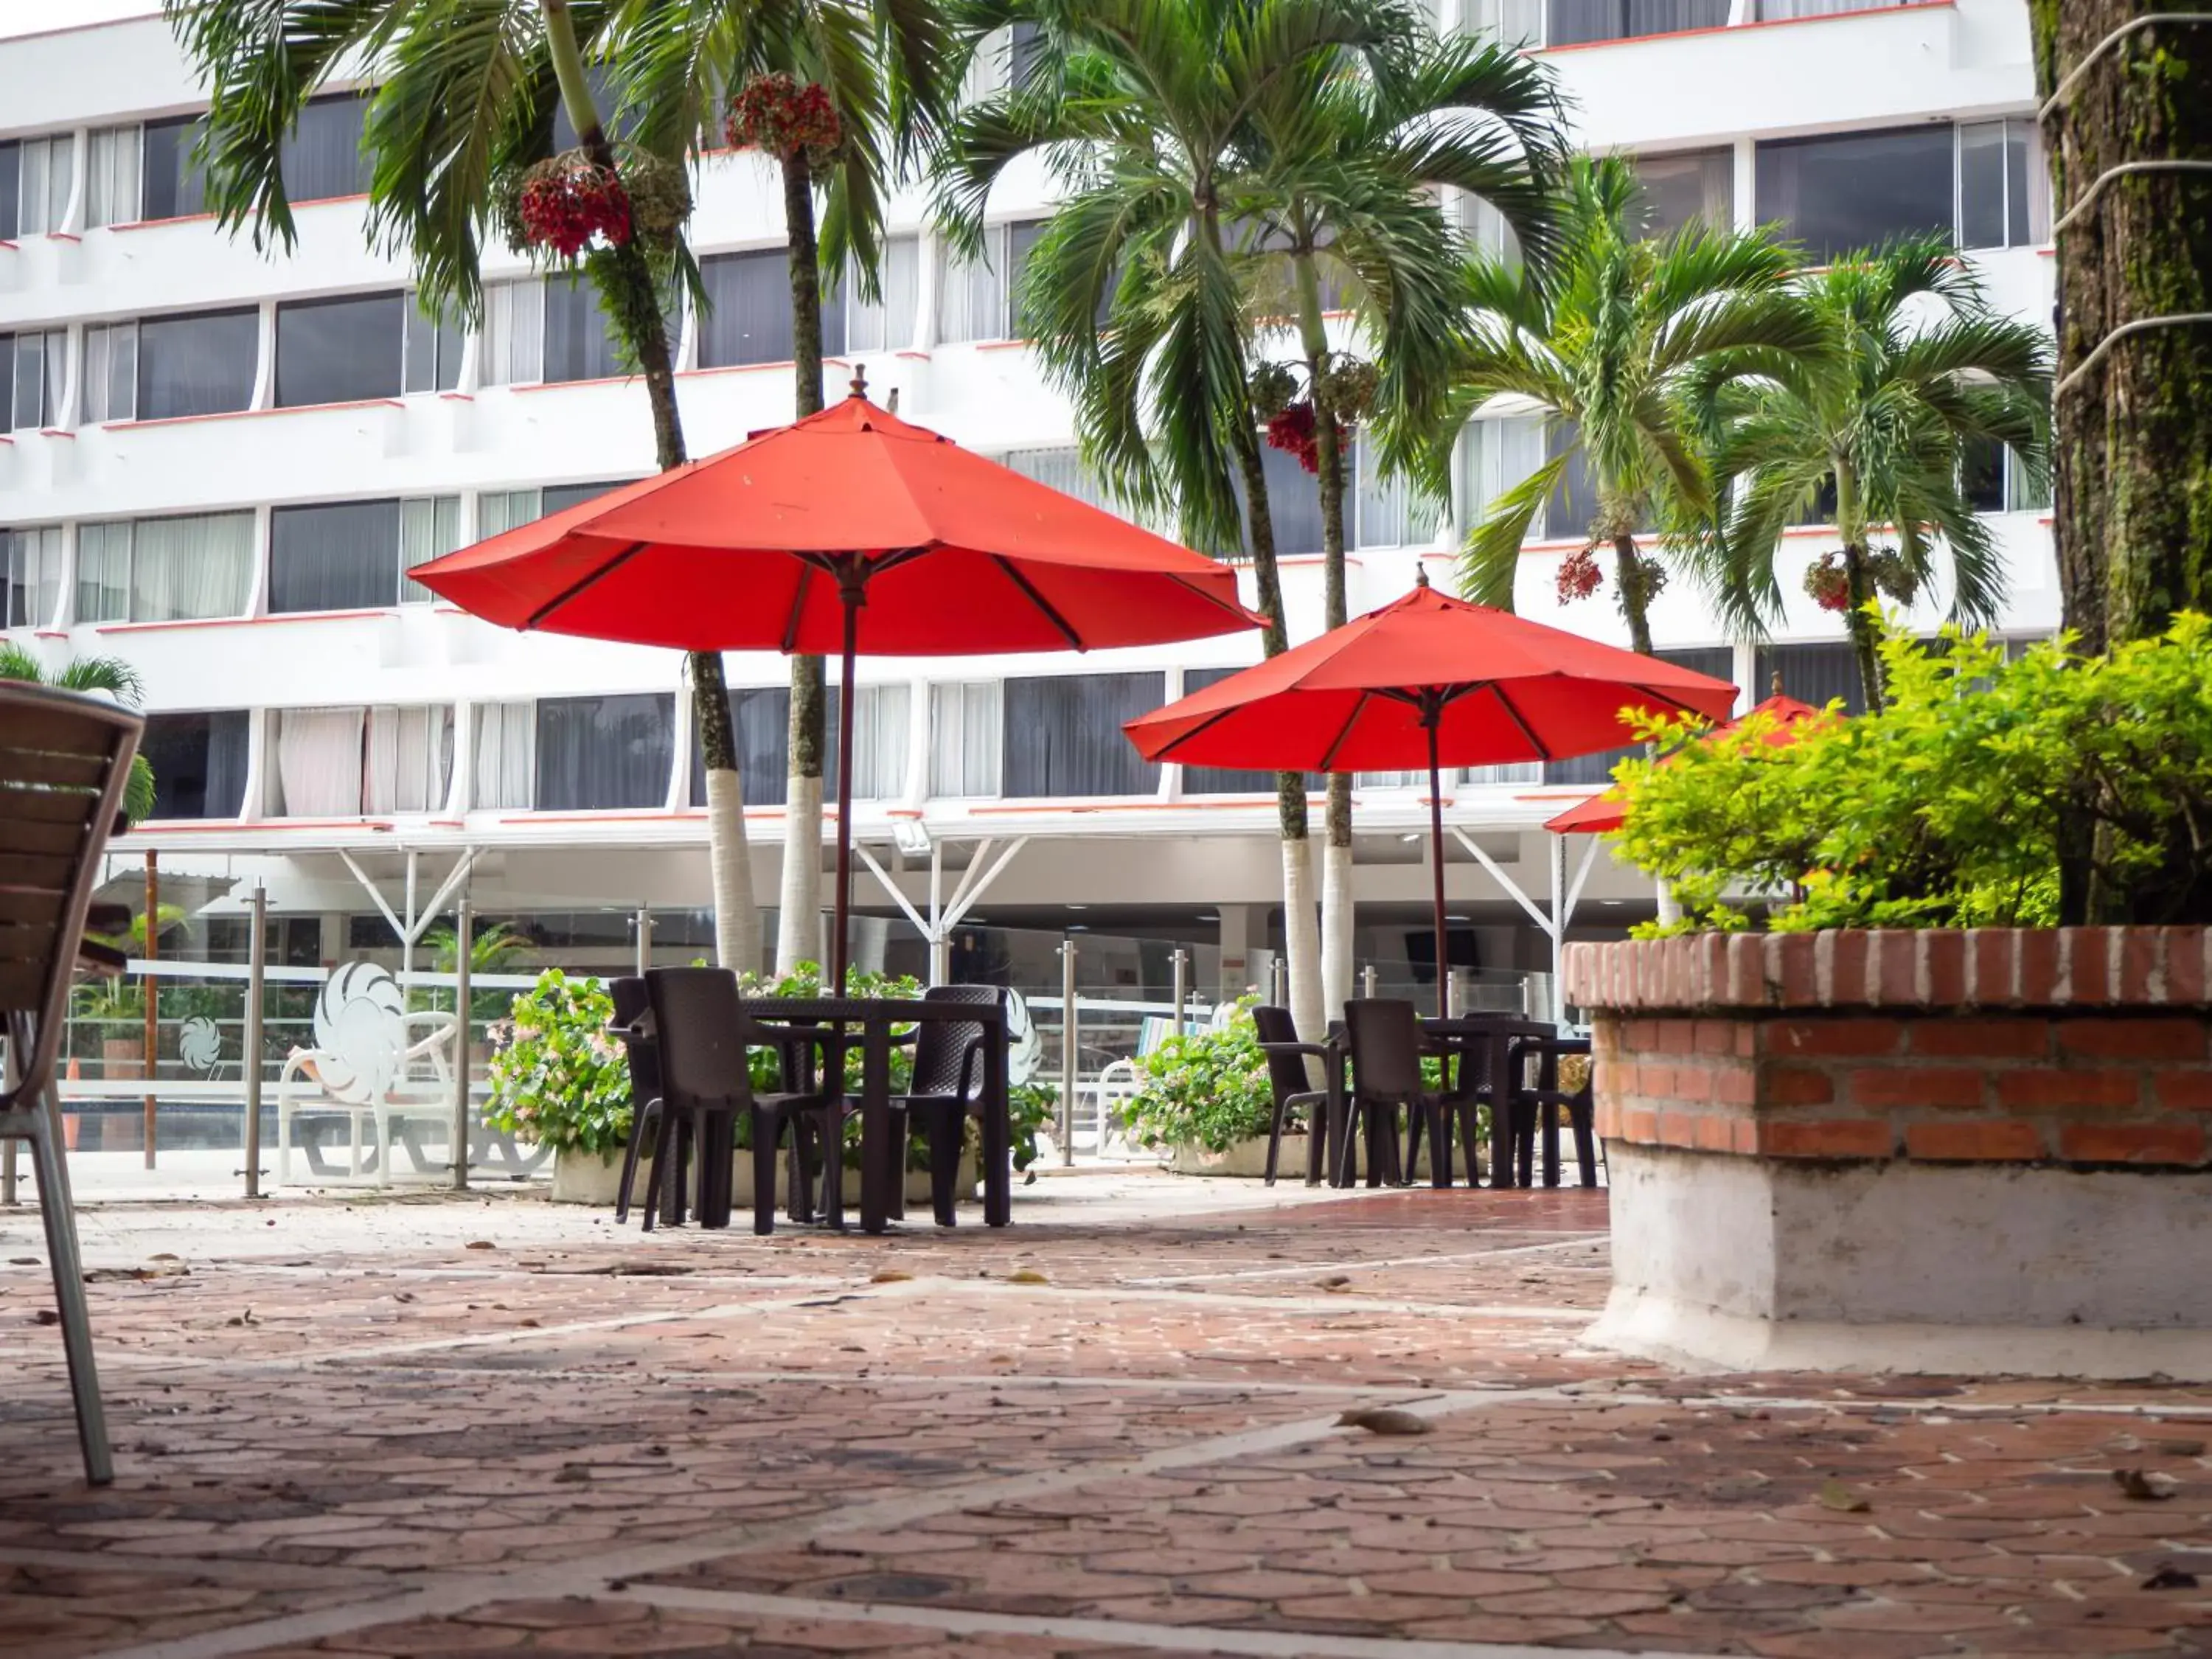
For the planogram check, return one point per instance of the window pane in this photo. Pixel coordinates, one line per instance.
(103, 572)
(1513, 22)
(433, 350)
(887, 325)
(1981, 474)
(1982, 184)
(1293, 504)
(1022, 239)
(748, 317)
(971, 300)
(322, 157)
(1810, 673)
(556, 497)
(409, 759)
(598, 753)
(33, 577)
(1384, 505)
(2025, 216)
(317, 762)
(341, 555)
(1572, 21)
(1063, 735)
(763, 717)
(28, 406)
(33, 211)
(502, 510)
(189, 568)
(2025, 491)
(428, 530)
(879, 742)
(197, 365)
(198, 761)
(1855, 191)
(514, 333)
(578, 346)
(965, 738)
(1697, 184)
(174, 187)
(1716, 660)
(506, 747)
(1223, 780)
(11, 174)
(340, 351)
(111, 182)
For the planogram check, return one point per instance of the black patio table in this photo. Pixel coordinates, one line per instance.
(876, 1016)
(1497, 1043)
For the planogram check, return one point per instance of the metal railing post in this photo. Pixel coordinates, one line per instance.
(1068, 1053)
(256, 970)
(1181, 962)
(1275, 992)
(1367, 978)
(644, 941)
(463, 939)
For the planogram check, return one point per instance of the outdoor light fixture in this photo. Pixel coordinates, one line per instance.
(910, 836)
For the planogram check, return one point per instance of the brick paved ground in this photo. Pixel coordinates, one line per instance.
(363, 1436)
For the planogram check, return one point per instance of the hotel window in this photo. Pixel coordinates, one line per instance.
(432, 350)
(503, 509)
(1063, 735)
(1485, 226)
(879, 742)
(762, 716)
(355, 555)
(1976, 183)
(1383, 509)
(513, 333)
(172, 185)
(190, 568)
(321, 157)
(110, 391)
(1225, 779)
(1572, 23)
(1499, 452)
(603, 754)
(1995, 480)
(2002, 203)
(33, 368)
(35, 176)
(1810, 673)
(343, 762)
(340, 351)
(1718, 660)
(579, 342)
(198, 761)
(1784, 11)
(850, 323)
(975, 300)
(34, 577)
(747, 319)
(966, 738)
(201, 364)
(1006, 58)
(1511, 22)
(111, 177)
(1695, 184)
(1293, 504)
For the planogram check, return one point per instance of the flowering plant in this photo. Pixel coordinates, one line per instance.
(1579, 575)
(558, 1077)
(1209, 1088)
(780, 115)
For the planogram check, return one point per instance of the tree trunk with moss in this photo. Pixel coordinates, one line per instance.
(798, 918)
(2131, 443)
(1336, 895)
(632, 298)
(1635, 603)
(2132, 448)
(1858, 585)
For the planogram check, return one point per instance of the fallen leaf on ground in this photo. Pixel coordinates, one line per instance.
(889, 1276)
(2145, 1485)
(1026, 1276)
(1335, 1281)
(480, 1244)
(2170, 1576)
(1385, 1419)
(46, 1316)
(1835, 1495)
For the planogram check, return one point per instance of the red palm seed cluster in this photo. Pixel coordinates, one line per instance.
(777, 114)
(569, 200)
(1294, 432)
(1579, 575)
(1827, 584)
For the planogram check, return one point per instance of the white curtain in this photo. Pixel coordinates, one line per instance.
(879, 742)
(112, 178)
(1385, 505)
(1500, 451)
(964, 743)
(887, 323)
(1509, 772)
(429, 529)
(111, 374)
(1060, 469)
(33, 578)
(1513, 22)
(318, 762)
(971, 300)
(514, 333)
(191, 567)
(410, 759)
(506, 754)
(503, 509)
(103, 572)
(45, 169)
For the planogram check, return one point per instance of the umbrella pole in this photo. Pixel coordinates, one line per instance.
(1432, 717)
(837, 952)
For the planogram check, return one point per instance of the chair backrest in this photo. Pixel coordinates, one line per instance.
(64, 762)
(1286, 1073)
(643, 1051)
(1385, 1034)
(940, 1048)
(700, 1031)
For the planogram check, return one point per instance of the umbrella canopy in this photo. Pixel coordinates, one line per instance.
(1427, 680)
(848, 530)
(1604, 812)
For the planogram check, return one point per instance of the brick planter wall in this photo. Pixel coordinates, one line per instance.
(1964, 1139)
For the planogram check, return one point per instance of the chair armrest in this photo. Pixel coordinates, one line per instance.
(1304, 1050)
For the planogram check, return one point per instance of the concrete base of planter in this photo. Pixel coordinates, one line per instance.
(1245, 1158)
(1752, 1264)
(594, 1177)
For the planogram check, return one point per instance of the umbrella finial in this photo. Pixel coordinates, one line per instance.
(1775, 686)
(1420, 575)
(860, 381)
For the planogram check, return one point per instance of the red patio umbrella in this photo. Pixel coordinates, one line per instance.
(1601, 813)
(848, 530)
(1427, 680)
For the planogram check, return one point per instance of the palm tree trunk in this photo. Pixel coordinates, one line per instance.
(1336, 895)
(1859, 584)
(799, 917)
(737, 918)
(1635, 603)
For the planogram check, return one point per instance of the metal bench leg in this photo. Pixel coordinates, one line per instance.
(56, 1210)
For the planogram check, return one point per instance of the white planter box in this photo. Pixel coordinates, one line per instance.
(596, 1177)
(1247, 1159)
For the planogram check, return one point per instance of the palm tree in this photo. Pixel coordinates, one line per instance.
(1602, 344)
(464, 96)
(1916, 369)
(1359, 163)
(1136, 292)
(882, 69)
(106, 676)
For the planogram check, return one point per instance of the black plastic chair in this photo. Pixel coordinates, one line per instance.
(947, 1090)
(1328, 1124)
(1388, 1045)
(633, 1027)
(702, 1030)
(1539, 1103)
(64, 761)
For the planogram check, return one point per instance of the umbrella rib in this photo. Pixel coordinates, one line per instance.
(1328, 760)
(797, 608)
(1044, 604)
(1543, 751)
(581, 584)
(1168, 750)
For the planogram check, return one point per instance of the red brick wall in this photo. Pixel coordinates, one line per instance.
(2088, 1047)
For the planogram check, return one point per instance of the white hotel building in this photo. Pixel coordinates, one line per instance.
(221, 466)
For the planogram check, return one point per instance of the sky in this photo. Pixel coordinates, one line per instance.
(42, 16)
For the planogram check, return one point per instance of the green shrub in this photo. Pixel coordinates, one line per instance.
(558, 1077)
(1945, 807)
(1208, 1089)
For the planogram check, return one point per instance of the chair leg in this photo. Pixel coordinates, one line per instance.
(1579, 1115)
(639, 1129)
(58, 1213)
(799, 1171)
(1440, 1142)
(1318, 1130)
(1412, 1144)
(1274, 1140)
(766, 1132)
